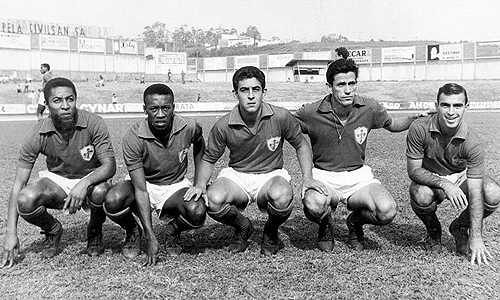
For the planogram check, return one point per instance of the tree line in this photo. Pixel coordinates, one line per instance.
(197, 42)
(183, 37)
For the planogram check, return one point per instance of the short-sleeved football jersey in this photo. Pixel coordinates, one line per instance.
(464, 150)
(338, 147)
(163, 165)
(75, 159)
(257, 153)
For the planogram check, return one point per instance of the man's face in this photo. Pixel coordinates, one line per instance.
(160, 111)
(62, 108)
(43, 69)
(250, 95)
(450, 110)
(343, 87)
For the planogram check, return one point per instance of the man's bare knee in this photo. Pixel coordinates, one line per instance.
(491, 192)
(196, 212)
(422, 194)
(216, 198)
(387, 215)
(280, 195)
(98, 193)
(315, 203)
(27, 200)
(114, 200)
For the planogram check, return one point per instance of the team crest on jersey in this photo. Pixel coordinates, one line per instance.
(183, 154)
(87, 152)
(273, 143)
(360, 134)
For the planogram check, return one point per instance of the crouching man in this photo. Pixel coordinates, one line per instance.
(80, 161)
(445, 161)
(155, 152)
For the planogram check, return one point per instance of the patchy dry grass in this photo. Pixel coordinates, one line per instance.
(393, 266)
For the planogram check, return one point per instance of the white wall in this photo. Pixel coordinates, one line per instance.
(92, 62)
(125, 63)
(487, 69)
(398, 72)
(441, 70)
(14, 59)
(279, 74)
(88, 64)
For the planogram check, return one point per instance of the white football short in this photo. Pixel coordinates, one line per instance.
(456, 178)
(252, 183)
(346, 183)
(159, 194)
(65, 184)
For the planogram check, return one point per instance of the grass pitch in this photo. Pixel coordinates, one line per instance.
(392, 267)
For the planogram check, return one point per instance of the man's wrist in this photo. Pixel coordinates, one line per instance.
(150, 237)
(475, 236)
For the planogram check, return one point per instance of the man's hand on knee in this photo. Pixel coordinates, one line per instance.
(456, 196)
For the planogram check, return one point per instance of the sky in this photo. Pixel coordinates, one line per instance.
(306, 20)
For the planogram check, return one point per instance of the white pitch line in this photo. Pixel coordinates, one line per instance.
(7, 118)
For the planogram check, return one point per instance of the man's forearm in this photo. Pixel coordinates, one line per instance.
(423, 177)
(20, 181)
(401, 124)
(144, 208)
(102, 173)
(304, 156)
(476, 209)
(12, 214)
(197, 158)
(204, 172)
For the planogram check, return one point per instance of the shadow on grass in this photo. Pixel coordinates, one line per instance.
(412, 235)
(213, 236)
(296, 232)
(71, 235)
(113, 237)
(303, 234)
(209, 237)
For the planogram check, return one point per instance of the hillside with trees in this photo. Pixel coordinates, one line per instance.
(197, 42)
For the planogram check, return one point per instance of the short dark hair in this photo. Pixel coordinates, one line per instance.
(341, 66)
(57, 82)
(246, 73)
(452, 89)
(46, 65)
(157, 89)
(342, 51)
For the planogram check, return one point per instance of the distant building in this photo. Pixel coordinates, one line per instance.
(263, 43)
(230, 40)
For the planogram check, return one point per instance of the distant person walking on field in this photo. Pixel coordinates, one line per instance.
(100, 81)
(46, 76)
(33, 97)
(169, 76)
(27, 82)
(446, 161)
